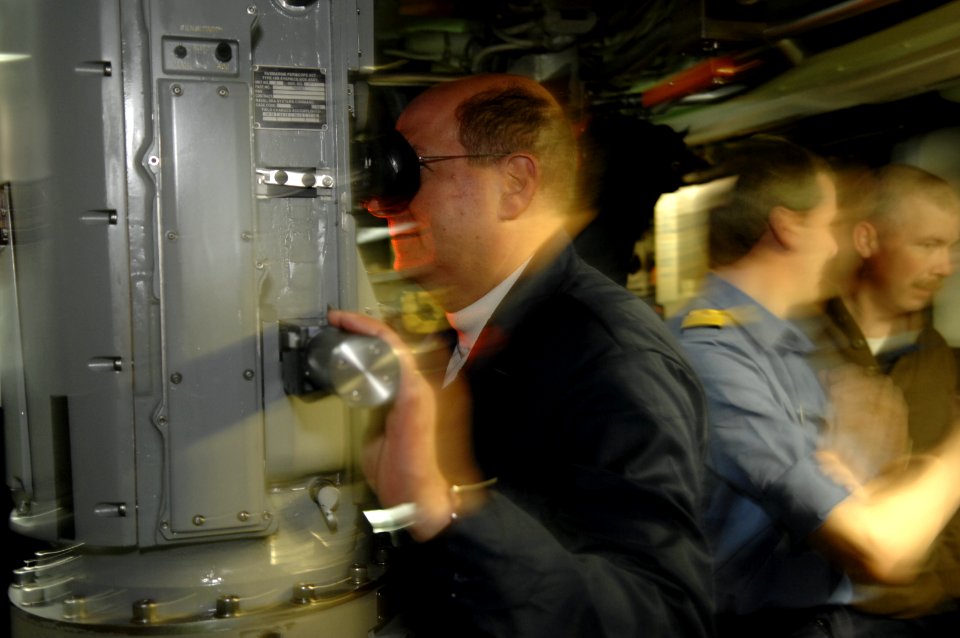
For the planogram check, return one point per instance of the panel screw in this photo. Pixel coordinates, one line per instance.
(302, 593)
(358, 574)
(176, 378)
(228, 606)
(252, 9)
(172, 236)
(177, 89)
(199, 520)
(248, 374)
(74, 608)
(144, 612)
(243, 517)
(222, 91)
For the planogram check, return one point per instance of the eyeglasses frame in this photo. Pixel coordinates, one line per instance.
(423, 160)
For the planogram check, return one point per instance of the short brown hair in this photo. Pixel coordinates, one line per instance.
(769, 172)
(896, 181)
(512, 118)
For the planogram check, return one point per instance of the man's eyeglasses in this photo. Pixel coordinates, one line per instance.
(423, 160)
(389, 173)
(385, 206)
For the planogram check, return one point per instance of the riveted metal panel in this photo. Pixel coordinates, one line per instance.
(212, 418)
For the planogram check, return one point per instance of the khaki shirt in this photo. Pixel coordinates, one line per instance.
(927, 375)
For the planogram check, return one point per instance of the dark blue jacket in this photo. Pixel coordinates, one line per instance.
(594, 424)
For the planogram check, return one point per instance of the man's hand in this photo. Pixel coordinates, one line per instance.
(401, 463)
(869, 428)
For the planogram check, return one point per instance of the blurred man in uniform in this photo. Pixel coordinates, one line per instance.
(790, 525)
(903, 240)
(573, 507)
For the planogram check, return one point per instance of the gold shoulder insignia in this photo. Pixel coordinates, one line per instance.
(708, 318)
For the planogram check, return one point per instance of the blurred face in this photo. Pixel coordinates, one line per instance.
(852, 206)
(819, 242)
(913, 254)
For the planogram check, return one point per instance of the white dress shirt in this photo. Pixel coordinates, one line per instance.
(469, 322)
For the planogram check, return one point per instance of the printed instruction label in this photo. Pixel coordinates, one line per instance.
(289, 98)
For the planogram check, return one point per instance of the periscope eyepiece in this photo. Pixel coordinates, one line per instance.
(388, 175)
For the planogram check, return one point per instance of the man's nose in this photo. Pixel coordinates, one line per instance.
(834, 246)
(946, 261)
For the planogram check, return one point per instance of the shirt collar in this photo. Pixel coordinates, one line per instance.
(469, 321)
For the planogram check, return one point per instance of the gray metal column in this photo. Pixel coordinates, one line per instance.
(174, 188)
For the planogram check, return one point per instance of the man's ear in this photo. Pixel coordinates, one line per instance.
(521, 179)
(865, 239)
(784, 226)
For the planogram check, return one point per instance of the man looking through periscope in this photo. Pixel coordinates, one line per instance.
(580, 405)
